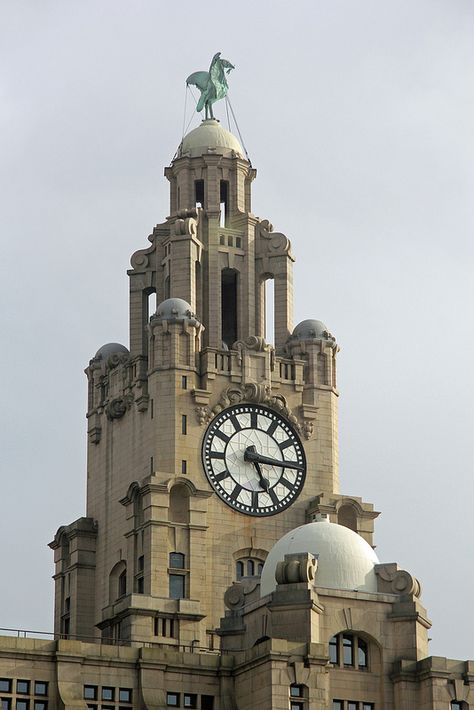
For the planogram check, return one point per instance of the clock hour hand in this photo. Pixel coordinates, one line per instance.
(263, 481)
(251, 454)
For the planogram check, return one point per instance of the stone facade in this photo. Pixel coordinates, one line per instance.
(158, 600)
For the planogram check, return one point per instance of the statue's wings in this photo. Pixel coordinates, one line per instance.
(199, 79)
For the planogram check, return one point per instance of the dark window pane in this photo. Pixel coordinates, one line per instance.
(296, 706)
(122, 584)
(177, 586)
(125, 695)
(90, 692)
(41, 704)
(368, 706)
(348, 647)
(337, 705)
(176, 560)
(23, 687)
(6, 703)
(207, 702)
(334, 650)
(140, 585)
(41, 688)
(22, 704)
(351, 705)
(296, 691)
(190, 701)
(250, 568)
(362, 656)
(5, 685)
(108, 693)
(239, 570)
(92, 707)
(260, 568)
(184, 424)
(172, 699)
(141, 563)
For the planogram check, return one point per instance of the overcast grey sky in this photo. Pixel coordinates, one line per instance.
(359, 119)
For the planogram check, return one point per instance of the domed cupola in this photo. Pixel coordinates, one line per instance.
(210, 138)
(345, 560)
(174, 310)
(312, 329)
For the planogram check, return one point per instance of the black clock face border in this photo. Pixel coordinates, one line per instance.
(249, 487)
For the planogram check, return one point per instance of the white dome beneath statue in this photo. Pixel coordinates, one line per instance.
(210, 138)
(345, 559)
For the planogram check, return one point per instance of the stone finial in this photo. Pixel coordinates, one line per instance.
(296, 567)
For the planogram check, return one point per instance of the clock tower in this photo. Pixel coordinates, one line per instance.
(206, 444)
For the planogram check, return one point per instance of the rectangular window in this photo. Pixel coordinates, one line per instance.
(334, 650)
(184, 466)
(125, 695)
(184, 382)
(22, 705)
(23, 687)
(238, 242)
(177, 585)
(41, 705)
(207, 702)
(368, 706)
(6, 703)
(141, 563)
(41, 688)
(172, 699)
(199, 192)
(5, 685)
(90, 692)
(348, 650)
(177, 560)
(352, 705)
(296, 706)
(151, 409)
(140, 585)
(337, 705)
(296, 691)
(108, 693)
(190, 700)
(184, 424)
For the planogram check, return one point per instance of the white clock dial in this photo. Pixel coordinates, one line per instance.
(254, 459)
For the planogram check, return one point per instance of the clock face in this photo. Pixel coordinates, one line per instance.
(254, 459)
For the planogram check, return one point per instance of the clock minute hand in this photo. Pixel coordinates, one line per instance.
(252, 455)
(263, 481)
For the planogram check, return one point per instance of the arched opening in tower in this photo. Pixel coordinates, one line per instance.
(270, 310)
(229, 306)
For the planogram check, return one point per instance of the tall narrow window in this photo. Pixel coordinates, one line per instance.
(177, 576)
(229, 306)
(224, 203)
(348, 649)
(199, 193)
(334, 650)
(269, 292)
(184, 424)
(122, 584)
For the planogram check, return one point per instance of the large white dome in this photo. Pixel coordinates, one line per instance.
(345, 559)
(210, 137)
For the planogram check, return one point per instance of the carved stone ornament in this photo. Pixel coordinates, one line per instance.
(234, 596)
(203, 414)
(299, 567)
(256, 343)
(401, 582)
(270, 241)
(307, 428)
(116, 408)
(258, 393)
(186, 226)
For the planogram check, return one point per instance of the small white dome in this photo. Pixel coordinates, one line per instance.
(174, 309)
(311, 329)
(345, 559)
(210, 137)
(110, 349)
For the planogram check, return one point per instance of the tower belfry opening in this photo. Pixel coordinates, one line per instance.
(229, 291)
